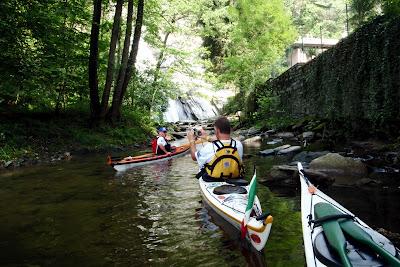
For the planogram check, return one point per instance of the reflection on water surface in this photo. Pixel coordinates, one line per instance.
(83, 213)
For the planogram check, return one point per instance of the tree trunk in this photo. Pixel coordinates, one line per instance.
(114, 113)
(160, 60)
(93, 61)
(111, 58)
(116, 110)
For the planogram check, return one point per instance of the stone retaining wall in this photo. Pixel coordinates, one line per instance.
(357, 81)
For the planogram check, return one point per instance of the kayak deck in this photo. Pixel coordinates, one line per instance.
(232, 207)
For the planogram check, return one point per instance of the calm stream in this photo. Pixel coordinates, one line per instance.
(83, 213)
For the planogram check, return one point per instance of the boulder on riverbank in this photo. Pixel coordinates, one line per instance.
(333, 163)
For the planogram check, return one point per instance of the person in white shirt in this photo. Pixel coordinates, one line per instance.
(163, 147)
(207, 153)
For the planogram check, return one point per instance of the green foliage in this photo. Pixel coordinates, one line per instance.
(234, 104)
(146, 95)
(43, 52)
(366, 10)
(267, 105)
(268, 112)
(245, 39)
(391, 7)
(214, 19)
(261, 32)
(314, 18)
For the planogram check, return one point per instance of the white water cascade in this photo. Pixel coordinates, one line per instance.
(192, 108)
(191, 83)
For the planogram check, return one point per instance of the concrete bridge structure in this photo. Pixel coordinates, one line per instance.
(300, 50)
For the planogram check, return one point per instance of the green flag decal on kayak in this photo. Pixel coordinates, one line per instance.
(250, 203)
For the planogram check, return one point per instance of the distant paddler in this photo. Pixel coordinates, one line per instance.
(162, 145)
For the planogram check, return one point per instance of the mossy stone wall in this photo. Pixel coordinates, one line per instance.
(357, 81)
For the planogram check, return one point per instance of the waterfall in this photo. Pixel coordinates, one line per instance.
(189, 109)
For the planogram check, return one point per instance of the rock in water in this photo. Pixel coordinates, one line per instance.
(307, 156)
(289, 150)
(253, 131)
(285, 135)
(252, 140)
(273, 150)
(335, 163)
(267, 152)
(308, 135)
(274, 141)
(285, 175)
(368, 182)
(8, 164)
(281, 148)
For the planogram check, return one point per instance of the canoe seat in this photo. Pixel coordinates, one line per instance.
(240, 182)
(229, 189)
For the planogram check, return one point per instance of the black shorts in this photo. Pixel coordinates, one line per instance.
(161, 152)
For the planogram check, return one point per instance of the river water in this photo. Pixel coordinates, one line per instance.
(83, 213)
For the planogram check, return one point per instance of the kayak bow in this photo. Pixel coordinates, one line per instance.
(229, 200)
(333, 236)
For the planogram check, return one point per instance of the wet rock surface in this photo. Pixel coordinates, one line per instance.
(287, 175)
(308, 156)
(365, 163)
(273, 151)
(254, 139)
(334, 163)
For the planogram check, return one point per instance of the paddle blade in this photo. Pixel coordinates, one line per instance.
(355, 232)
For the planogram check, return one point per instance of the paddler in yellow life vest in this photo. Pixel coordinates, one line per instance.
(221, 158)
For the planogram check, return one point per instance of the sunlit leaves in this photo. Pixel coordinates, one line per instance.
(43, 49)
(261, 32)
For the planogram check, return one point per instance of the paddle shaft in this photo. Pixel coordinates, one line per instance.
(333, 231)
(357, 233)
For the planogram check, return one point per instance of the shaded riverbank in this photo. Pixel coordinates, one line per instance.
(35, 138)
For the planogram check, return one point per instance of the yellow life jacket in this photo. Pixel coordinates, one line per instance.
(226, 162)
